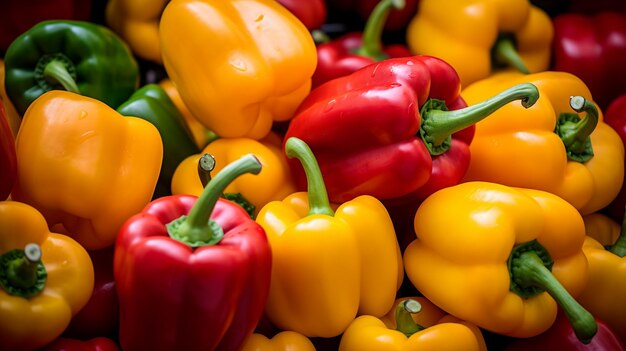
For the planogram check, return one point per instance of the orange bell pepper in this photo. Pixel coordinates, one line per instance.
(283, 341)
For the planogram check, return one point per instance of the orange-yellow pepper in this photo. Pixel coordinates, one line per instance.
(260, 74)
(84, 166)
(12, 116)
(274, 182)
(467, 34)
(137, 22)
(604, 294)
(414, 324)
(45, 279)
(519, 147)
(283, 341)
(328, 265)
(501, 258)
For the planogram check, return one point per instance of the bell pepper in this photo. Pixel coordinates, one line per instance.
(593, 48)
(260, 74)
(45, 279)
(311, 13)
(352, 51)
(506, 260)
(192, 273)
(328, 265)
(274, 182)
(84, 166)
(153, 104)
(383, 130)
(479, 38)
(604, 293)
(12, 116)
(565, 150)
(398, 20)
(8, 158)
(402, 331)
(615, 116)
(95, 344)
(560, 336)
(283, 341)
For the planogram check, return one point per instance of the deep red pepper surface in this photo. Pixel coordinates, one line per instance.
(95, 344)
(8, 158)
(592, 47)
(312, 13)
(363, 129)
(175, 297)
(615, 116)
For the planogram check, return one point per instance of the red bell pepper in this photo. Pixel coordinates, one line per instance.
(312, 13)
(383, 131)
(95, 344)
(192, 273)
(592, 48)
(398, 20)
(561, 336)
(8, 158)
(615, 116)
(353, 51)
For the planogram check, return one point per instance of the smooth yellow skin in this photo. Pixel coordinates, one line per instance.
(517, 147)
(260, 74)
(30, 323)
(604, 294)
(137, 22)
(465, 272)
(85, 166)
(12, 116)
(463, 32)
(326, 270)
(283, 341)
(273, 183)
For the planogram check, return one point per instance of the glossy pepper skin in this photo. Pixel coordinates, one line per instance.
(95, 344)
(45, 279)
(12, 116)
(153, 104)
(615, 116)
(81, 57)
(587, 177)
(260, 74)
(328, 264)
(403, 329)
(189, 283)
(283, 341)
(508, 281)
(476, 37)
(593, 48)
(383, 130)
(94, 167)
(311, 13)
(8, 158)
(604, 293)
(355, 50)
(274, 182)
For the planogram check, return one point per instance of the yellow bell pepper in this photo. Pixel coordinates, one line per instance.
(283, 341)
(12, 116)
(401, 329)
(45, 279)
(518, 147)
(274, 182)
(505, 260)
(476, 37)
(604, 294)
(260, 74)
(137, 22)
(328, 265)
(84, 166)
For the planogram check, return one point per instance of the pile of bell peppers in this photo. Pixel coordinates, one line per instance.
(322, 175)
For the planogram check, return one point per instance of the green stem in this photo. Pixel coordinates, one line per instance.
(438, 124)
(206, 164)
(575, 132)
(619, 247)
(56, 72)
(197, 228)
(372, 33)
(318, 196)
(528, 270)
(21, 271)
(505, 53)
(404, 322)
(320, 37)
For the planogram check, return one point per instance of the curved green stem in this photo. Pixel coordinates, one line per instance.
(318, 196)
(206, 164)
(21, 271)
(575, 132)
(404, 322)
(372, 33)
(56, 72)
(505, 54)
(438, 124)
(619, 247)
(197, 228)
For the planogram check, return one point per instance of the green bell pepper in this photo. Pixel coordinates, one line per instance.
(81, 57)
(153, 104)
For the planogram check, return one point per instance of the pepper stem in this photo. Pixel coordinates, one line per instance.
(438, 124)
(505, 53)
(404, 322)
(372, 33)
(21, 271)
(318, 196)
(56, 72)
(528, 270)
(575, 131)
(206, 164)
(197, 228)
(619, 248)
